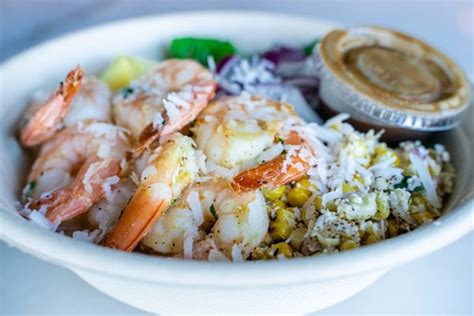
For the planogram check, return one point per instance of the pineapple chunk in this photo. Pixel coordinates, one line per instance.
(125, 69)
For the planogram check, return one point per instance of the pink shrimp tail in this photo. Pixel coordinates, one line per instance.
(48, 118)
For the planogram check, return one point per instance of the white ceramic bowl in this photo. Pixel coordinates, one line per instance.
(168, 285)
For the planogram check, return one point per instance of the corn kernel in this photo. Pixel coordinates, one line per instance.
(284, 215)
(297, 197)
(304, 183)
(280, 228)
(358, 178)
(297, 237)
(278, 204)
(346, 187)
(318, 202)
(422, 217)
(348, 244)
(359, 148)
(331, 206)
(381, 150)
(259, 254)
(392, 227)
(336, 126)
(383, 208)
(418, 200)
(273, 193)
(282, 248)
(371, 238)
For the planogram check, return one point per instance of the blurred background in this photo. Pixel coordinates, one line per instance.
(439, 283)
(445, 24)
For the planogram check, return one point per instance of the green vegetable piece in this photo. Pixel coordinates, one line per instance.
(200, 48)
(125, 69)
(308, 49)
(420, 188)
(28, 191)
(402, 184)
(213, 211)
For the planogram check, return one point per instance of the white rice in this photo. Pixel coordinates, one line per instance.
(196, 207)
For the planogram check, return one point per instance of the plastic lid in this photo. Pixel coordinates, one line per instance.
(391, 78)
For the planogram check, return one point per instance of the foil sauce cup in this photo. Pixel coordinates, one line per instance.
(389, 80)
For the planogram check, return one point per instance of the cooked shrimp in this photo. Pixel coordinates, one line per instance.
(91, 103)
(233, 131)
(283, 169)
(252, 133)
(190, 212)
(170, 169)
(164, 100)
(233, 220)
(72, 168)
(47, 118)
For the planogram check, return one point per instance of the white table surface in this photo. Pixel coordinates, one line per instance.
(441, 283)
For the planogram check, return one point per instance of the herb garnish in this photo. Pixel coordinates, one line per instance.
(213, 211)
(28, 191)
(200, 48)
(404, 185)
(127, 92)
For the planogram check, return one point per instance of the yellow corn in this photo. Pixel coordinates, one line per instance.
(297, 237)
(297, 197)
(280, 228)
(358, 178)
(382, 150)
(434, 172)
(260, 254)
(348, 244)
(419, 199)
(304, 183)
(359, 148)
(392, 227)
(278, 204)
(383, 208)
(371, 238)
(336, 126)
(318, 202)
(346, 187)
(273, 193)
(282, 248)
(331, 206)
(422, 217)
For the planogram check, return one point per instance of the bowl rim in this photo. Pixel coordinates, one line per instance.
(65, 251)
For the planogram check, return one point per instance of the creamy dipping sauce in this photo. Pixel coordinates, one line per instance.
(391, 79)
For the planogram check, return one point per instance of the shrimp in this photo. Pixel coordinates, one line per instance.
(171, 167)
(163, 101)
(232, 131)
(105, 214)
(92, 103)
(210, 216)
(287, 167)
(253, 134)
(46, 119)
(71, 169)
